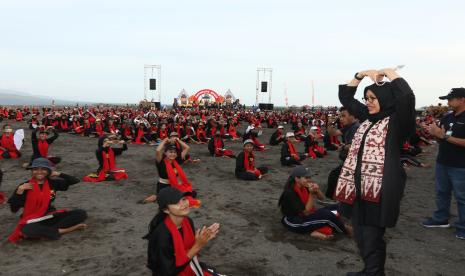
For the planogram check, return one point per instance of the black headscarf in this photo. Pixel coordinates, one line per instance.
(385, 98)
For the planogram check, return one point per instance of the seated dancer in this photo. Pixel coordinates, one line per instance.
(245, 164)
(182, 149)
(297, 203)
(277, 136)
(7, 145)
(251, 134)
(312, 149)
(171, 173)
(87, 127)
(33, 122)
(173, 243)
(189, 133)
(216, 147)
(19, 115)
(289, 155)
(106, 154)
(40, 219)
(99, 128)
(162, 132)
(111, 127)
(231, 126)
(40, 146)
(64, 124)
(140, 135)
(77, 128)
(201, 134)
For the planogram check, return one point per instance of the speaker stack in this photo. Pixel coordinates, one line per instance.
(265, 106)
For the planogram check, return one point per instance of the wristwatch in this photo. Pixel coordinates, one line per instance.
(446, 136)
(357, 78)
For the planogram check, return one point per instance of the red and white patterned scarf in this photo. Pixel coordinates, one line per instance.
(372, 167)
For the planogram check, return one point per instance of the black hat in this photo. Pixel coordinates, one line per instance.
(454, 93)
(170, 147)
(301, 171)
(40, 163)
(169, 195)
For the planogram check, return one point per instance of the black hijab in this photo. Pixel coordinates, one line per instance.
(385, 98)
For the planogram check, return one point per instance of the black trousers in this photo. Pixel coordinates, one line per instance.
(49, 228)
(372, 247)
(251, 176)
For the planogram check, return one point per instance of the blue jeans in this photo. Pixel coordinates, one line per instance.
(450, 179)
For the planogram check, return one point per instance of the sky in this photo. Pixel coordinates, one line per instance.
(96, 50)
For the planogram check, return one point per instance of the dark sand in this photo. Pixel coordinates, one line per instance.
(252, 240)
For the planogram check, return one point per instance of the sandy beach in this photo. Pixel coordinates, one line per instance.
(252, 240)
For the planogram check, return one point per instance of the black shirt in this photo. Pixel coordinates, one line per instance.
(161, 167)
(161, 259)
(56, 184)
(348, 132)
(450, 154)
(291, 205)
(35, 143)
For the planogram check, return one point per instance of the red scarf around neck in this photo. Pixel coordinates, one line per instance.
(183, 186)
(218, 143)
(292, 151)
(302, 192)
(36, 205)
(43, 148)
(249, 162)
(181, 243)
(140, 134)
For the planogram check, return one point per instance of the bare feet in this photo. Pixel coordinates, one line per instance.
(149, 199)
(320, 236)
(350, 230)
(80, 226)
(425, 165)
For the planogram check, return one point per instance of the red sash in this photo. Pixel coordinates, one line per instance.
(181, 244)
(302, 192)
(140, 134)
(36, 205)
(64, 125)
(43, 148)
(99, 129)
(292, 151)
(183, 186)
(163, 134)
(249, 163)
(19, 116)
(232, 131)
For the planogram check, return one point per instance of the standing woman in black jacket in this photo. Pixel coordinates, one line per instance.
(372, 180)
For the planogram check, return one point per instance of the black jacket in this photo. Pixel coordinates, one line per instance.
(401, 126)
(161, 259)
